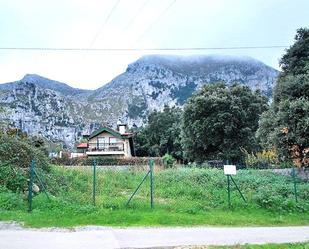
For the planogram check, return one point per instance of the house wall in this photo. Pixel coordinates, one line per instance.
(106, 135)
(127, 150)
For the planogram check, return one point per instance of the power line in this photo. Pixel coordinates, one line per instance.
(145, 49)
(155, 22)
(104, 23)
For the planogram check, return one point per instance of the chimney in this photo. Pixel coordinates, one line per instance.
(122, 128)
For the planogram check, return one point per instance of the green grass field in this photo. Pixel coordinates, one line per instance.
(266, 246)
(183, 197)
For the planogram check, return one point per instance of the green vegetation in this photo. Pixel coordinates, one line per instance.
(16, 153)
(219, 120)
(295, 60)
(216, 123)
(285, 126)
(137, 107)
(264, 160)
(107, 161)
(264, 246)
(183, 196)
(161, 135)
(183, 92)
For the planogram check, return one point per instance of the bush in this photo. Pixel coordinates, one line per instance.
(12, 178)
(18, 152)
(190, 190)
(261, 160)
(16, 155)
(202, 165)
(106, 161)
(168, 160)
(10, 200)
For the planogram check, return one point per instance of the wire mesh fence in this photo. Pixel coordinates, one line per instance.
(183, 188)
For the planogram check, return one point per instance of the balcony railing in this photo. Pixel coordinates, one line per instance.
(106, 147)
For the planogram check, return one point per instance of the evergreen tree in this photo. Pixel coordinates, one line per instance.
(161, 135)
(219, 120)
(285, 126)
(295, 60)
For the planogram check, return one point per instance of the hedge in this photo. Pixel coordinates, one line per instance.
(106, 161)
(16, 155)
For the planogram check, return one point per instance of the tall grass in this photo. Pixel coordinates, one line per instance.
(183, 196)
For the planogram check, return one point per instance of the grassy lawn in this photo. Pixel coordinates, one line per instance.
(266, 246)
(70, 218)
(183, 197)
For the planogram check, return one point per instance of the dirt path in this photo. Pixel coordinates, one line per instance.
(13, 236)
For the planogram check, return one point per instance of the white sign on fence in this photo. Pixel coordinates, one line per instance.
(229, 169)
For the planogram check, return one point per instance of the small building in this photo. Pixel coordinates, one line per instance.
(109, 142)
(82, 148)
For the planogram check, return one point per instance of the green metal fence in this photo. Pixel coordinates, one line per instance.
(35, 176)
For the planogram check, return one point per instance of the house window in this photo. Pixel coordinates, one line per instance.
(101, 143)
(112, 140)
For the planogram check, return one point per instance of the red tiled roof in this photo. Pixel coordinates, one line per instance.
(82, 146)
(127, 134)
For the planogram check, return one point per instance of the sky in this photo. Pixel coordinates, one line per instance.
(137, 24)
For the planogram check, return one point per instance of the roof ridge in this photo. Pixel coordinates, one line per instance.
(110, 130)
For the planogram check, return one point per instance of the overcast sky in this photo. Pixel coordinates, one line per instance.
(136, 24)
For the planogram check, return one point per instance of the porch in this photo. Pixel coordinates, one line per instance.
(105, 149)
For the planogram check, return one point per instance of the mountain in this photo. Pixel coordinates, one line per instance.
(46, 84)
(62, 113)
(157, 80)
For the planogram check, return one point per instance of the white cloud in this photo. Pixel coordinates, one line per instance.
(188, 23)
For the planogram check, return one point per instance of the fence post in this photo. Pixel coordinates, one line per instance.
(135, 191)
(30, 186)
(242, 196)
(228, 190)
(294, 181)
(42, 184)
(151, 165)
(228, 186)
(94, 181)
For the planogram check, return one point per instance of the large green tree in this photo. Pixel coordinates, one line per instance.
(285, 126)
(295, 60)
(219, 120)
(161, 135)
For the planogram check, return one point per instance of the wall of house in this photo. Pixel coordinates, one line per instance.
(106, 135)
(127, 149)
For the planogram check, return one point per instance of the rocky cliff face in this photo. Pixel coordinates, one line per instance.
(37, 106)
(62, 113)
(155, 81)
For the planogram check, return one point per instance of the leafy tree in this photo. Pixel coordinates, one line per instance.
(219, 120)
(161, 135)
(285, 126)
(295, 60)
(141, 144)
(16, 154)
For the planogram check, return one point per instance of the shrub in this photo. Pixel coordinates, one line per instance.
(107, 161)
(12, 178)
(16, 155)
(261, 160)
(266, 198)
(18, 152)
(199, 165)
(168, 160)
(10, 200)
